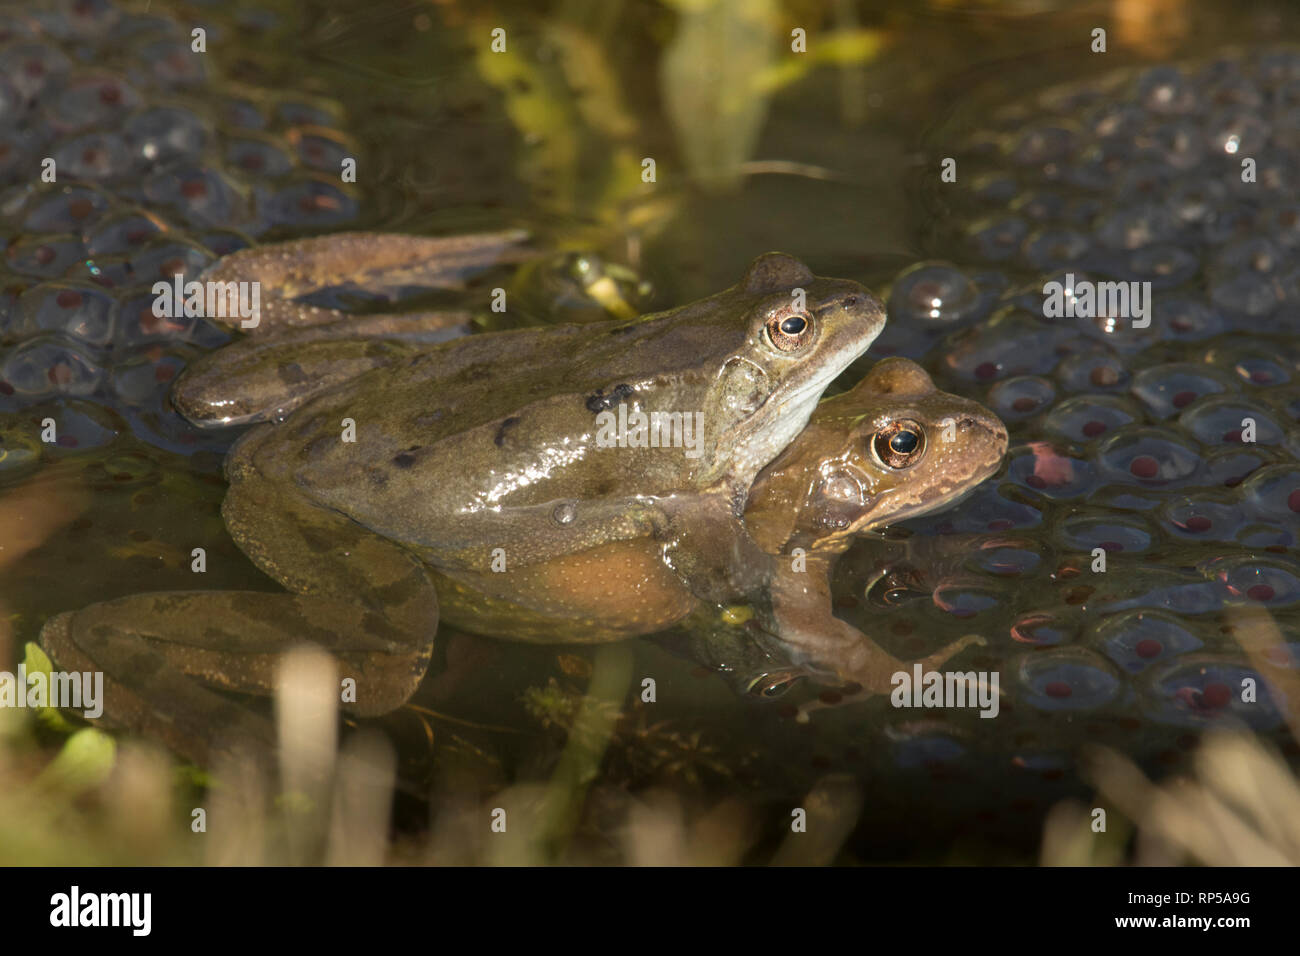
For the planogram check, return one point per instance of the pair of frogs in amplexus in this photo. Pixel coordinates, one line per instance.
(474, 491)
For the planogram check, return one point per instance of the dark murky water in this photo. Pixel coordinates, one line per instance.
(1122, 439)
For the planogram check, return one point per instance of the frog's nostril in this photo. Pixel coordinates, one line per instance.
(851, 301)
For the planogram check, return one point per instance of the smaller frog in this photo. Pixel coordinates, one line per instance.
(891, 448)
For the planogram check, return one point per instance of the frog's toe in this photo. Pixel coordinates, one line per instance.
(944, 654)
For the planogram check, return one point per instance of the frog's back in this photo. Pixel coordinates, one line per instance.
(458, 410)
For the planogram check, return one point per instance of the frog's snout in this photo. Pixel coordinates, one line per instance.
(863, 303)
(984, 435)
(859, 319)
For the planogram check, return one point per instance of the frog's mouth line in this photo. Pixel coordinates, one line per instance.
(926, 508)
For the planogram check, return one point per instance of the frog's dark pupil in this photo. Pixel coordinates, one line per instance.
(794, 325)
(904, 442)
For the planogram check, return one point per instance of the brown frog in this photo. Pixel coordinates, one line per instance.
(892, 447)
(493, 476)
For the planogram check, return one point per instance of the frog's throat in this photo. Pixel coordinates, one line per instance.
(773, 424)
(765, 434)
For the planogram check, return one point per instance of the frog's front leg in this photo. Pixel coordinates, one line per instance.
(366, 601)
(798, 612)
(713, 551)
(377, 262)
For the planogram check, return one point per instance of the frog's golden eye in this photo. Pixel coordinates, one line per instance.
(899, 444)
(790, 331)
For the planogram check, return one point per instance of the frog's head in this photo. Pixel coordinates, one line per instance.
(801, 331)
(891, 448)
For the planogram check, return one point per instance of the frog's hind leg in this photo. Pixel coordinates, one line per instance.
(378, 262)
(367, 602)
(296, 351)
(275, 374)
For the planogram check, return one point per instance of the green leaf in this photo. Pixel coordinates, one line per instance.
(35, 660)
(85, 761)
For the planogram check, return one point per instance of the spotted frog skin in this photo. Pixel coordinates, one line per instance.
(475, 476)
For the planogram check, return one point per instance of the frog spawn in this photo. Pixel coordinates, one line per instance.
(162, 168)
(1125, 441)
(1056, 236)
